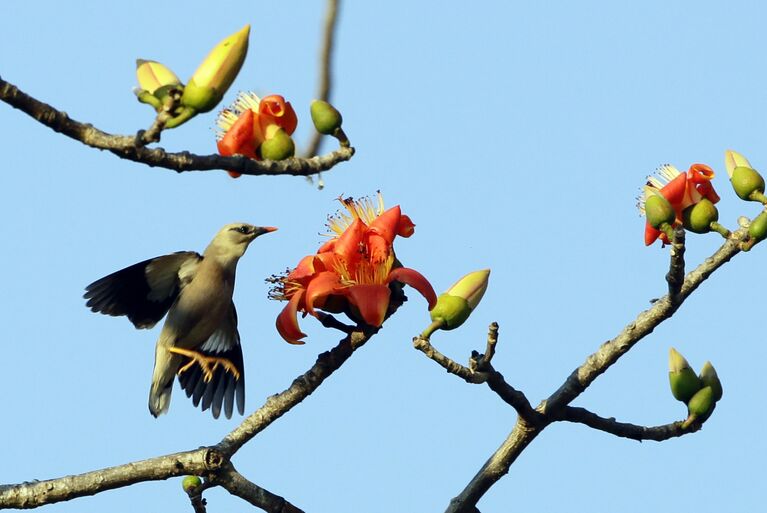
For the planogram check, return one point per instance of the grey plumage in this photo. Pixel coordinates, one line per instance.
(201, 325)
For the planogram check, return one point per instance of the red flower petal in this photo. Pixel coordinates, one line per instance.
(386, 224)
(349, 246)
(239, 138)
(274, 109)
(372, 301)
(417, 281)
(650, 234)
(675, 190)
(322, 284)
(405, 227)
(700, 173)
(287, 321)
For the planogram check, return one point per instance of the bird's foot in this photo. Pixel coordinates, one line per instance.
(208, 364)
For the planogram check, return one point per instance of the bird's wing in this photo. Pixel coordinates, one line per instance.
(224, 388)
(144, 291)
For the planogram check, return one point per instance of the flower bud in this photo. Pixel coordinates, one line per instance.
(454, 306)
(733, 159)
(190, 483)
(698, 217)
(709, 378)
(746, 182)
(152, 76)
(325, 117)
(757, 230)
(684, 383)
(658, 211)
(278, 147)
(217, 72)
(700, 404)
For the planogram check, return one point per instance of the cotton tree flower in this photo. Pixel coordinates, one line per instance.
(681, 190)
(353, 272)
(244, 126)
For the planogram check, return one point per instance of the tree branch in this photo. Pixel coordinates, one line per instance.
(127, 147)
(482, 371)
(236, 484)
(206, 461)
(626, 430)
(675, 275)
(597, 363)
(326, 71)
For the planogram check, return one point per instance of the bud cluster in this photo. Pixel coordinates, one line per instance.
(699, 392)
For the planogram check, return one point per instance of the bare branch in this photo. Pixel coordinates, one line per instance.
(38, 493)
(626, 430)
(236, 484)
(675, 276)
(303, 386)
(326, 71)
(580, 379)
(482, 371)
(126, 147)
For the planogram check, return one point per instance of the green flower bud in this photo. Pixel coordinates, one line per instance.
(684, 383)
(709, 378)
(698, 217)
(190, 483)
(280, 146)
(757, 230)
(217, 72)
(152, 76)
(454, 306)
(325, 117)
(733, 159)
(746, 182)
(659, 211)
(701, 402)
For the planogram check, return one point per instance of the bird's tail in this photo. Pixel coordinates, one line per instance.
(165, 366)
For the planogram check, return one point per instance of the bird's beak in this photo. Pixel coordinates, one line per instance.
(260, 230)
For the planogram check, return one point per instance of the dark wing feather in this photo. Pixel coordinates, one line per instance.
(224, 389)
(144, 292)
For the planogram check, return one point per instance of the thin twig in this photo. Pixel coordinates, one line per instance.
(125, 146)
(626, 430)
(326, 69)
(236, 484)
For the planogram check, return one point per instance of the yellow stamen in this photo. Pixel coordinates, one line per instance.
(364, 208)
(226, 118)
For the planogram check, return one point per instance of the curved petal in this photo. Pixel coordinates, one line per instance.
(328, 246)
(378, 248)
(323, 284)
(372, 301)
(405, 227)
(706, 189)
(674, 191)
(650, 234)
(274, 109)
(700, 173)
(239, 138)
(417, 281)
(304, 268)
(386, 225)
(348, 245)
(287, 321)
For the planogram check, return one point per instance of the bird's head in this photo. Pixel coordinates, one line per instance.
(233, 239)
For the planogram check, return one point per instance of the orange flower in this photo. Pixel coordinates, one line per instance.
(352, 272)
(681, 190)
(249, 121)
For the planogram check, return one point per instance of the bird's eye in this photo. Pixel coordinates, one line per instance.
(243, 229)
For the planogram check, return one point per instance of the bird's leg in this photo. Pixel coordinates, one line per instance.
(208, 364)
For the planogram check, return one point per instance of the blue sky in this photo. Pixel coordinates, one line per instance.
(516, 135)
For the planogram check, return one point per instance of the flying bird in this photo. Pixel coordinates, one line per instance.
(199, 341)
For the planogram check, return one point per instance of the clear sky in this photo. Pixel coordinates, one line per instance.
(516, 135)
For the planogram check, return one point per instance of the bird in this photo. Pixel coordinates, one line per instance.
(199, 340)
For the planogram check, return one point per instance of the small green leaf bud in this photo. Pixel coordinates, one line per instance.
(190, 483)
(757, 230)
(701, 402)
(746, 182)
